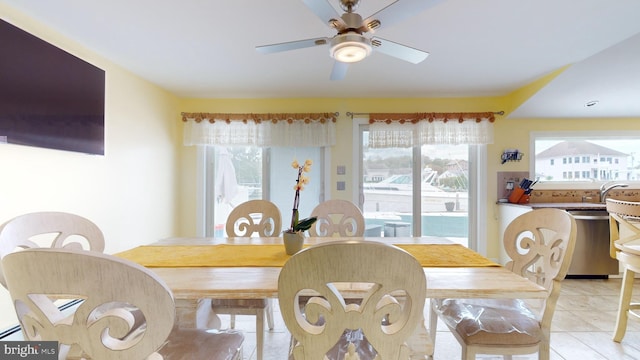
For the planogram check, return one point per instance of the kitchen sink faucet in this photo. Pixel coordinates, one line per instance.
(608, 186)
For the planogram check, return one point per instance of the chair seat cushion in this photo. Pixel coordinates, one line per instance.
(190, 344)
(491, 321)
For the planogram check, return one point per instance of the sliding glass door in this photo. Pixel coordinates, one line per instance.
(419, 191)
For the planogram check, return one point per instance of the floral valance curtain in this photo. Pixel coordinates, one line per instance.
(407, 130)
(313, 129)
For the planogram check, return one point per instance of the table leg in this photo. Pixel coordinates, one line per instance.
(196, 314)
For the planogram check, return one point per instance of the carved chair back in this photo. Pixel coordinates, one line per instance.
(254, 218)
(540, 245)
(49, 230)
(337, 218)
(98, 329)
(387, 309)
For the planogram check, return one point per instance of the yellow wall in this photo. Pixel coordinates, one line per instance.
(131, 191)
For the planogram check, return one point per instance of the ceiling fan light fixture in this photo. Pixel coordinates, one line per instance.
(350, 48)
(350, 52)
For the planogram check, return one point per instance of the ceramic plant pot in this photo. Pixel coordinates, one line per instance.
(293, 241)
(450, 206)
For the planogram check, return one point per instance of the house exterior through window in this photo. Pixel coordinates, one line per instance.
(591, 157)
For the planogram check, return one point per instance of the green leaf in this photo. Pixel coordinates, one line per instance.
(305, 224)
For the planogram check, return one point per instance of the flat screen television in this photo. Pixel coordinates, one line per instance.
(48, 97)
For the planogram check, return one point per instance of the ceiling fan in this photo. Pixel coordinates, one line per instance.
(350, 44)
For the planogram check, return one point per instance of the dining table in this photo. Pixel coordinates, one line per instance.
(198, 269)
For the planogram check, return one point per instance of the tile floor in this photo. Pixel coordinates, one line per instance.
(581, 330)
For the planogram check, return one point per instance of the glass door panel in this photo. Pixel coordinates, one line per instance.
(234, 175)
(388, 191)
(445, 192)
(389, 201)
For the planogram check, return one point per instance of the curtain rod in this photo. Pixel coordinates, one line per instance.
(352, 114)
(336, 114)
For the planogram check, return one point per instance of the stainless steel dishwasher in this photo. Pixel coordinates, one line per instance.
(591, 255)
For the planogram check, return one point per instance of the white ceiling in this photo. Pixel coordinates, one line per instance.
(206, 49)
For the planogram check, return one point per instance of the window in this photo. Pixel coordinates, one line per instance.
(586, 156)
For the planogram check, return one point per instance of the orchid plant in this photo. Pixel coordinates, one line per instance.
(304, 224)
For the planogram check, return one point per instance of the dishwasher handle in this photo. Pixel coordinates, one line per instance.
(589, 217)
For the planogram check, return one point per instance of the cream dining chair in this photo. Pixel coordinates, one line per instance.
(251, 218)
(254, 218)
(624, 229)
(127, 311)
(337, 218)
(540, 245)
(378, 319)
(50, 230)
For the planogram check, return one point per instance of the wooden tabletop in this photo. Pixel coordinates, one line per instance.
(192, 283)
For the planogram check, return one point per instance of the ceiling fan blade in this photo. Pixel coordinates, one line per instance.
(326, 12)
(396, 12)
(292, 45)
(339, 70)
(399, 51)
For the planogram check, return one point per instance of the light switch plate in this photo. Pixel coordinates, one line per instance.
(341, 185)
(341, 170)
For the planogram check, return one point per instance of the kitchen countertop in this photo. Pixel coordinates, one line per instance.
(565, 205)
